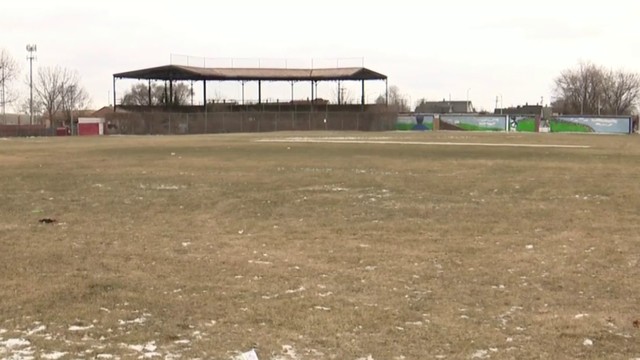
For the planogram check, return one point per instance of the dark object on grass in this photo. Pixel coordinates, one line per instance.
(48, 221)
(636, 324)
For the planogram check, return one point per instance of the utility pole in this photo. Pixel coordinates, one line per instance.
(71, 101)
(3, 97)
(31, 49)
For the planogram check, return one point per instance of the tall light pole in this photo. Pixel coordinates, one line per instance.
(469, 89)
(31, 49)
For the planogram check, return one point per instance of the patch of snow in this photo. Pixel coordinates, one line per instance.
(141, 320)
(529, 247)
(104, 356)
(580, 316)
(480, 354)
(25, 354)
(151, 355)
(370, 268)
(168, 187)
(414, 323)
(54, 355)
(14, 343)
(587, 342)
(182, 342)
(80, 328)
(185, 244)
(249, 355)
(260, 262)
(368, 357)
(322, 308)
(37, 330)
(325, 294)
(2, 331)
(300, 289)
(148, 347)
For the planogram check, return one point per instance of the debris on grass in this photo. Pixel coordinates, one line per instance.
(48, 221)
(587, 342)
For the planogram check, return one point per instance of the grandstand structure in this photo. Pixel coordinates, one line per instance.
(173, 73)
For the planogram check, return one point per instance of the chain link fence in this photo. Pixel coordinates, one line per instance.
(171, 123)
(26, 130)
(162, 123)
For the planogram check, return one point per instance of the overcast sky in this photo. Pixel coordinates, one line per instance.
(427, 48)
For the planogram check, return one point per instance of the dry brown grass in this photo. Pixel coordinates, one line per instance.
(338, 250)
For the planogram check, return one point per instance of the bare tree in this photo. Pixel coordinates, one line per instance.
(420, 103)
(138, 95)
(72, 95)
(9, 71)
(58, 89)
(343, 95)
(397, 100)
(48, 88)
(591, 89)
(622, 92)
(22, 106)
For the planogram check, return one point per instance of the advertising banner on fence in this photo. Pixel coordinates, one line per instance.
(577, 124)
(414, 122)
(473, 122)
(596, 124)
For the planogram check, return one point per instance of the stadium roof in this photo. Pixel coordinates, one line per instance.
(179, 72)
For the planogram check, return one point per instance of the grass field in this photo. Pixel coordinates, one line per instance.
(206, 246)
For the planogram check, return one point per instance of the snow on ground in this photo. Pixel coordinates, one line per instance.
(431, 143)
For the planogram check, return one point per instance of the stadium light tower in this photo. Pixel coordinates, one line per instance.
(31, 49)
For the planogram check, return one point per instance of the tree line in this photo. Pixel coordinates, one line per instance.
(594, 90)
